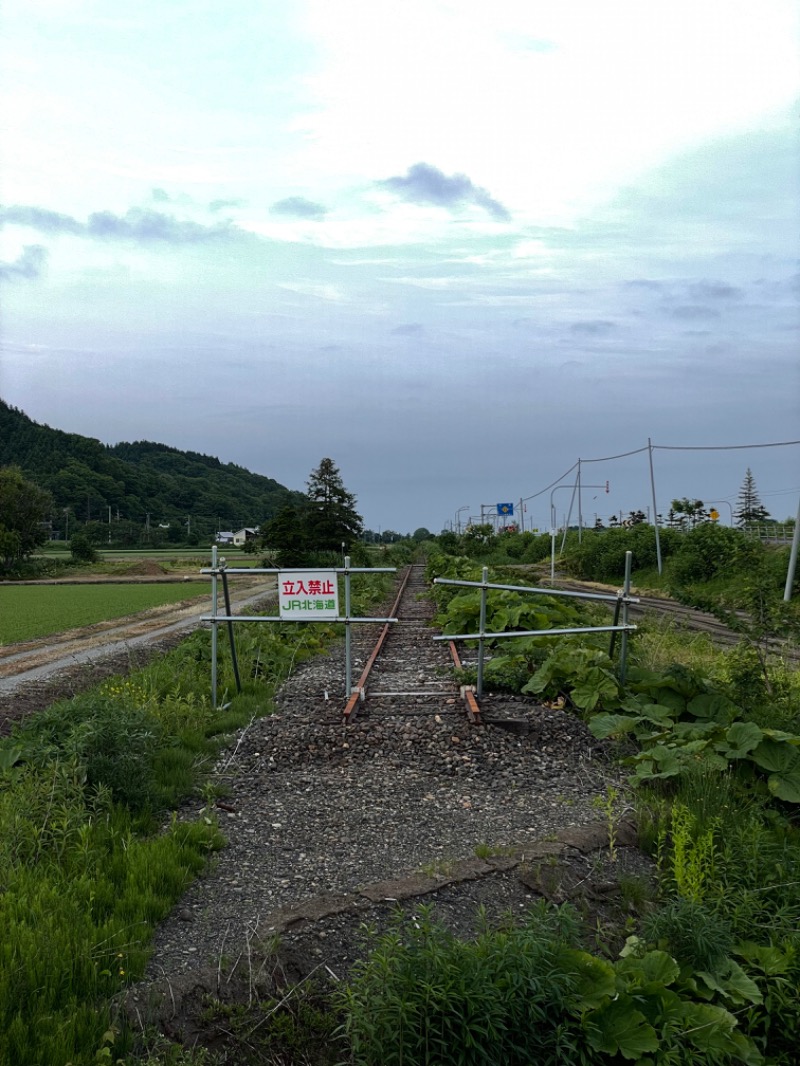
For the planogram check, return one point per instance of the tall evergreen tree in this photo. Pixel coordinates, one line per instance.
(331, 518)
(750, 507)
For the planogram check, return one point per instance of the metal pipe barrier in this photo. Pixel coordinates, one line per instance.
(624, 598)
(219, 569)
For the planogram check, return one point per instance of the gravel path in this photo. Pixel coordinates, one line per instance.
(318, 809)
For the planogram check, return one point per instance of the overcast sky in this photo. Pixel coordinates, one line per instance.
(454, 245)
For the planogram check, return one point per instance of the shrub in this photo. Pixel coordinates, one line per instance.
(422, 996)
(601, 554)
(82, 549)
(115, 741)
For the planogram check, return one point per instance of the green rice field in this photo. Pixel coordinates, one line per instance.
(31, 611)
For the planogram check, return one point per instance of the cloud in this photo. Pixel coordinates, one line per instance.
(137, 224)
(594, 328)
(425, 184)
(41, 219)
(29, 264)
(714, 290)
(408, 330)
(298, 207)
(222, 205)
(645, 283)
(692, 312)
(141, 225)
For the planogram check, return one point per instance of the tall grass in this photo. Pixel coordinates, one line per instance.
(86, 867)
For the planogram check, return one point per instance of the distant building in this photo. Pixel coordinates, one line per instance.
(242, 536)
(224, 538)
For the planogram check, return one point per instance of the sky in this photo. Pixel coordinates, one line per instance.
(455, 246)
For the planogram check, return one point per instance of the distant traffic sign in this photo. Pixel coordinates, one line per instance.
(505, 508)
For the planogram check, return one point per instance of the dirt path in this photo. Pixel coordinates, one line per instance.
(36, 673)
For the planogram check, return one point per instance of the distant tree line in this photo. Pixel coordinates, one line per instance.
(141, 492)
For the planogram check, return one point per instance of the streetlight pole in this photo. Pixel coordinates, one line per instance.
(458, 517)
(729, 506)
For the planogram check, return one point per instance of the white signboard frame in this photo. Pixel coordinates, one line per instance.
(308, 595)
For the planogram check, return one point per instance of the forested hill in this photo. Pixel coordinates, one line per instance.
(136, 480)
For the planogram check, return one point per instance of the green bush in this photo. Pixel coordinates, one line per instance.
(422, 996)
(709, 550)
(115, 741)
(82, 549)
(601, 553)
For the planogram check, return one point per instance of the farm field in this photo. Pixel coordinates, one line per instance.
(28, 612)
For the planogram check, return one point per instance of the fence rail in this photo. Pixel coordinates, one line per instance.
(622, 599)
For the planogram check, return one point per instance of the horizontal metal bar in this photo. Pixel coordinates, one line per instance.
(428, 695)
(278, 618)
(299, 570)
(538, 632)
(612, 597)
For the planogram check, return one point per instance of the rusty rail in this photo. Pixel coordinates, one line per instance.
(357, 695)
(473, 710)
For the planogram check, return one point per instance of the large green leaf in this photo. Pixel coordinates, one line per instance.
(713, 705)
(594, 978)
(782, 761)
(740, 739)
(732, 982)
(611, 725)
(770, 960)
(656, 967)
(619, 1029)
(595, 684)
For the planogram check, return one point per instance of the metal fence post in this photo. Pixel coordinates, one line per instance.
(214, 597)
(623, 646)
(482, 630)
(348, 663)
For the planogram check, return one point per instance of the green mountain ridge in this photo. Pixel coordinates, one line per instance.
(87, 477)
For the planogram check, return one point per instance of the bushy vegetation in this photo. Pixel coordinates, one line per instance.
(708, 977)
(715, 764)
(90, 859)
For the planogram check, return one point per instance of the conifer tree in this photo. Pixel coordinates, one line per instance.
(331, 517)
(750, 507)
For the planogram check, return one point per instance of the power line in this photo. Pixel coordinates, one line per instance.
(622, 455)
(543, 490)
(714, 447)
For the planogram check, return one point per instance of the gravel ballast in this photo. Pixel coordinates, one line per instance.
(317, 814)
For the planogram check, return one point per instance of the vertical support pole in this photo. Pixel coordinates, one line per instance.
(569, 515)
(481, 631)
(214, 623)
(617, 607)
(521, 517)
(787, 592)
(626, 591)
(226, 596)
(655, 506)
(553, 549)
(348, 660)
(580, 508)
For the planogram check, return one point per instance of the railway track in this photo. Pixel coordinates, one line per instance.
(690, 618)
(406, 672)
